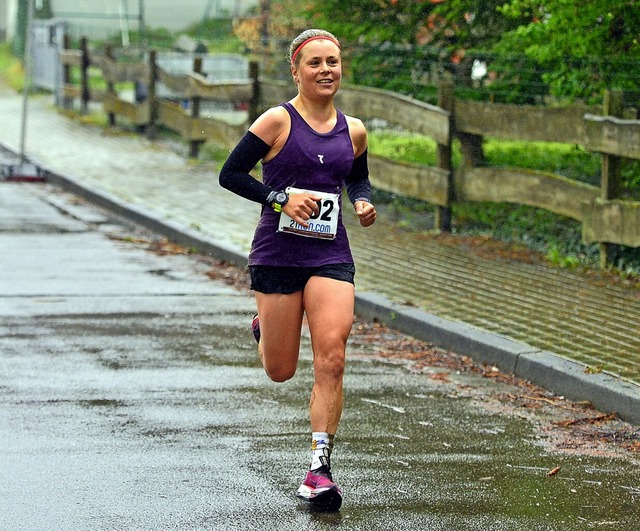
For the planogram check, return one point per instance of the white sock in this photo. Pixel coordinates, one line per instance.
(321, 447)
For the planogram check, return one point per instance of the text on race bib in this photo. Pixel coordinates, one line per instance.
(322, 225)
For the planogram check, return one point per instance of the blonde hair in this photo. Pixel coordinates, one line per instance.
(297, 43)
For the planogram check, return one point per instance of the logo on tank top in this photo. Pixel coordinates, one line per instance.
(321, 157)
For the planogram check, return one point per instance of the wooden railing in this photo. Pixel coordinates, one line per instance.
(605, 217)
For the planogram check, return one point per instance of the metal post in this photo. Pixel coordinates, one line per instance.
(67, 102)
(151, 97)
(84, 75)
(111, 87)
(141, 26)
(27, 81)
(194, 145)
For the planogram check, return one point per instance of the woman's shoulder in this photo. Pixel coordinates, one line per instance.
(355, 123)
(271, 124)
(274, 116)
(358, 133)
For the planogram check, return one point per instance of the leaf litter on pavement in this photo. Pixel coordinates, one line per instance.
(567, 426)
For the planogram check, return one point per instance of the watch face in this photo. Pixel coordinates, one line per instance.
(281, 197)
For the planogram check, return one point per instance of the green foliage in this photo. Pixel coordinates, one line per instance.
(364, 21)
(218, 34)
(153, 38)
(556, 257)
(568, 49)
(11, 71)
(585, 46)
(399, 68)
(559, 28)
(630, 173)
(558, 237)
(472, 23)
(214, 151)
(214, 33)
(570, 161)
(407, 147)
(7, 59)
(213, 29)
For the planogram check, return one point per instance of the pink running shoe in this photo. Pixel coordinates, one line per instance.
(255, 328)
(320, 491)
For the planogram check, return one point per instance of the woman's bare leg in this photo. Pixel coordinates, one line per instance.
(280, 327)
(329, 305)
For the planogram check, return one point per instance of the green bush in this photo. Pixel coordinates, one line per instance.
(11, 72)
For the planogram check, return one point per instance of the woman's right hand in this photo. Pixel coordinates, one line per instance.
(301, 207)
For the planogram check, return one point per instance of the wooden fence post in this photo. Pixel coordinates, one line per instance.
(472, 150)
(445, 102)
(111, 88)
(610, 182)
(67, 102)
(194, 146)
(151, 95)
(84, 75)
(254, 102)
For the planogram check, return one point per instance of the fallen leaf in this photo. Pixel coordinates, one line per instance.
(440, 377)
(587, 420)
(553, 471)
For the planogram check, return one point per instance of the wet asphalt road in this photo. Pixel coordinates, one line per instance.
(131, 397)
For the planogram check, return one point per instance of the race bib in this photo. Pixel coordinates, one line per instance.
(322, 225)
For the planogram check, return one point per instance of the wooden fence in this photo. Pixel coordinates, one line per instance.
(605, 217)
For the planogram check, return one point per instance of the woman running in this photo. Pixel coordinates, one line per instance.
(300, 260)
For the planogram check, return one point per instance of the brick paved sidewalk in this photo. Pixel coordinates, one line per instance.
(548, 309)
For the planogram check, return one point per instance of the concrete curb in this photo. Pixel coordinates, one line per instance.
(546, 369)
(564, 377)
(568, 378)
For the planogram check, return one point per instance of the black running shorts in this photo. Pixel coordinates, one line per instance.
(287, 280)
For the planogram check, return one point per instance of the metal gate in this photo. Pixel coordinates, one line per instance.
(47, 41)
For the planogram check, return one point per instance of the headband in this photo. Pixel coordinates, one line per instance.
(326, 37)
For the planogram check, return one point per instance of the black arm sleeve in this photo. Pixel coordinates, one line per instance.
(358, 184)
(235, 176)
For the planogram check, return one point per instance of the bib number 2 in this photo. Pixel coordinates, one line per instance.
(322, 225)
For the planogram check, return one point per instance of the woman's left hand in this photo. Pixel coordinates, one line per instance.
(366, 212)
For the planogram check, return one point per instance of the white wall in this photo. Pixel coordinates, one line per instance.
(172, 14)
(3, 19)
(8, 12)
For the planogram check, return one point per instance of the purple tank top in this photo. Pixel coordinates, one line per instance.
(311, 161)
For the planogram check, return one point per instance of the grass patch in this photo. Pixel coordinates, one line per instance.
(570, 161)
(11, 71)
(401, 146)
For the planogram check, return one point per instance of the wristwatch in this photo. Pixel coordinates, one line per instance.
(278, 199)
